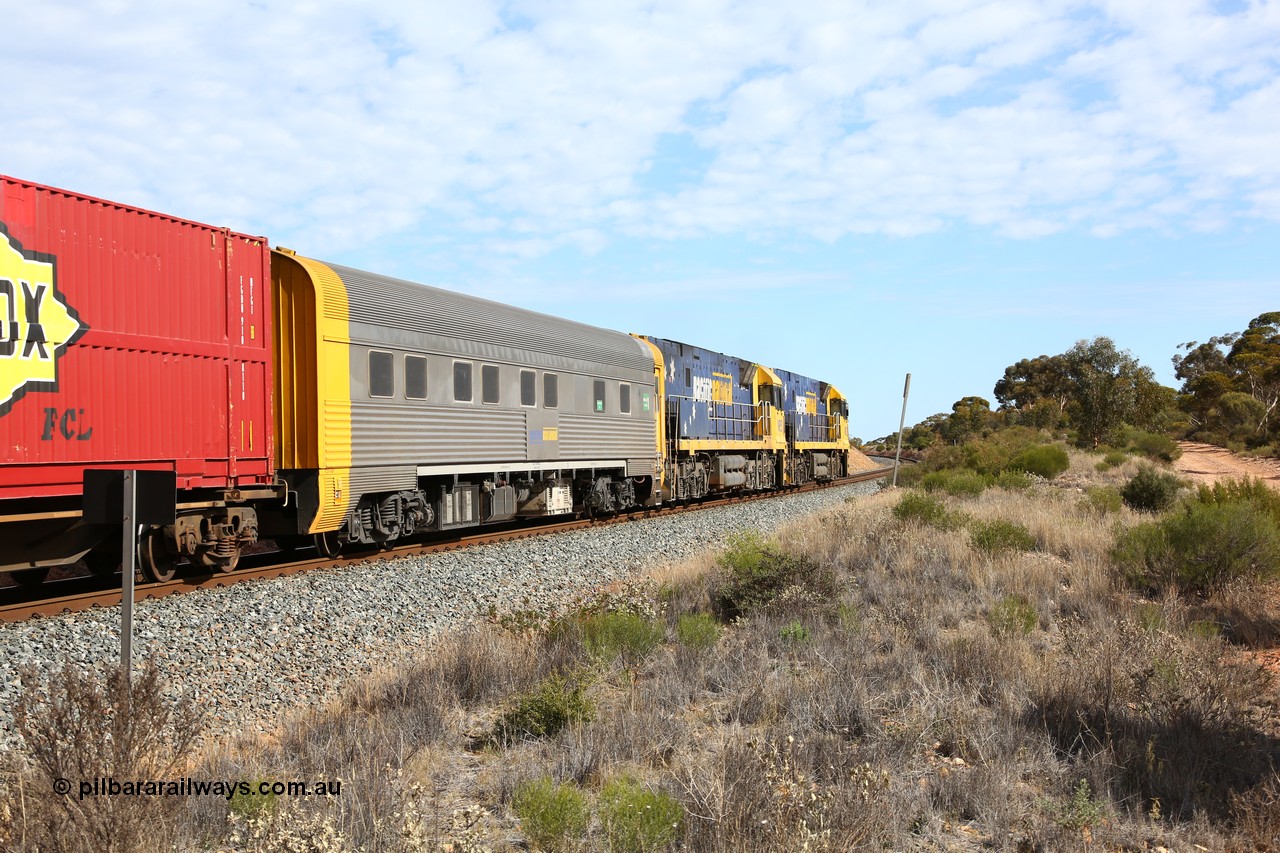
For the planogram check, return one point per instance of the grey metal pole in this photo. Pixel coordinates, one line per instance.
(902, 422)
(129, 544)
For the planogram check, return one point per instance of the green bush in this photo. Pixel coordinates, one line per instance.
(636, 820)
(754, 573)
(254, 805)
(629, 636)
(1200, 549)
(557, 702)
(917, 506)
(1115, 458)
(1103, 499)
(553, 816)
(999, 535)
(1012, 615)
(1045, 460)
(1152, 445)
(1254, 492)
(794, 634)
(956, 482)
(1150, 490)
(698, 631)
(1014, 481)
(992, 454)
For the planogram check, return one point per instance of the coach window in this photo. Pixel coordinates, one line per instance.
(599, 395)
(624, 398)
(382, 376)
(528, 388)
(415, 377)
(489, 383)
(462, 381)
(550, 391)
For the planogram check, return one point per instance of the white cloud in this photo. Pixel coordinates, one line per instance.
(530, 127)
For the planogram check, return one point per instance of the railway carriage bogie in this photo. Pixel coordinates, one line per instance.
(604, 494)
(214, 540)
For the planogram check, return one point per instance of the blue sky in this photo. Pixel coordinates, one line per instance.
(852, 190)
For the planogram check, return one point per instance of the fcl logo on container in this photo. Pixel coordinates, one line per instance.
(36, 326)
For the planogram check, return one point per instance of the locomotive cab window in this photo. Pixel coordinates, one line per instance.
(624, 398)
(528, 388)
(382, 375)
(489, 383)
(415, 377)
(599, 395)
(550, 391)
(462, 381)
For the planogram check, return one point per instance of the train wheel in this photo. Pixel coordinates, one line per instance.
(328, 544)
(154, 559)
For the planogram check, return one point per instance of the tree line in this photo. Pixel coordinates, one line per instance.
(1098, 393)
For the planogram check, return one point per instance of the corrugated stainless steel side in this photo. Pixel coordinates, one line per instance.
(386, 434)
(470, 326)
(591, 436)
(393, 479)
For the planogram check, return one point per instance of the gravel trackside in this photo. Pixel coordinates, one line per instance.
(252, 652)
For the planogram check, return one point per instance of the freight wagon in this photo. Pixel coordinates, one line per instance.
(129, 339)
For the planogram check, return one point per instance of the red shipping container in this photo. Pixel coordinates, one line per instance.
(128, 339)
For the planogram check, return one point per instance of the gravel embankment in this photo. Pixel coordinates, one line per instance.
(255, 651)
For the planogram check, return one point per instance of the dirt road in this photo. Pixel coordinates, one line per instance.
(1206, 463)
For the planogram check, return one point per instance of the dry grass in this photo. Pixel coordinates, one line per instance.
(942, 697)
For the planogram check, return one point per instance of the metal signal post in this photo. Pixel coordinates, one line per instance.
(902, 422)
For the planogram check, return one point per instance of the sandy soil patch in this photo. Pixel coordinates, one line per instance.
(1207, 463)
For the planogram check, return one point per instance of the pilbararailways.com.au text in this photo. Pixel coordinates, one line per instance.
(187, 787)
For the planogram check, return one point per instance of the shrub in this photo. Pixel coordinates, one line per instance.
(1103, 499)
(999, 535)
(698, 631)
(1045, 460)
(916, 506)
(1012, 615)
(639, 820)
(556, 703)
(253, 804)
(959, 483)
(1150, 490)
(90, 726)
(629, 636)
(753, 574)
(1255, 492)
(1153, 445)
(1014, 481)
(1200, 549)
(794, 634)
(552, 816)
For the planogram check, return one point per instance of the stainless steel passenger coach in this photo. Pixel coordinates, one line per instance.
(443, 410)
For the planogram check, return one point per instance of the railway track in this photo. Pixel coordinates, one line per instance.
(18, 603)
